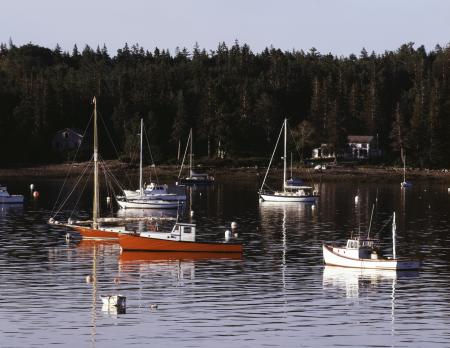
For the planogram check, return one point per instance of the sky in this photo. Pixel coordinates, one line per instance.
(340, 27)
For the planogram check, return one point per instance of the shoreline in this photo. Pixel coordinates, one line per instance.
(333, 173)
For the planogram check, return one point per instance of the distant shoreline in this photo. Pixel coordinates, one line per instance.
(360, 173)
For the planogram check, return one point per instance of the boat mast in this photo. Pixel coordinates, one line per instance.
(190, 155)
(141, 189)
(394, 227)
(95, 206)
(284, 157)
(404, 168)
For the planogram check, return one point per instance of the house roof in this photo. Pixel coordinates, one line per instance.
(359, 138)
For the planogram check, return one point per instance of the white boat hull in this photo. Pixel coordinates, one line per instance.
(12, 199)
(282, 198)
(148, 204)
(333, 259)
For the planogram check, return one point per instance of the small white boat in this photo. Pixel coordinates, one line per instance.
(114, 301)
(5, 197)
(363, 253)
(293, 189)
(155, 192)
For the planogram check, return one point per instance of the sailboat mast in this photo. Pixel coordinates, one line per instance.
(404, 168)
(141, 190)
(190, 155)
(394, 227)
(95, 206)
(284, 157)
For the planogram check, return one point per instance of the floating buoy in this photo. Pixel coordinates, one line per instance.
(108, 199)
(313, 206)
(35, 194)
(356, 199)
(227, 235)
(153, 306)
(116, 280)
(234, 225)
(31, 188)
(68, 236)
(89, 278)
(118, 301)
(192, 213)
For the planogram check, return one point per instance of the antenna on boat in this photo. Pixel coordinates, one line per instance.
(370, 223)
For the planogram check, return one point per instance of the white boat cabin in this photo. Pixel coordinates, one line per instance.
(358, 249)
(181, 232)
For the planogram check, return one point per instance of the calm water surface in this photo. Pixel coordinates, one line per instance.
(278, 294)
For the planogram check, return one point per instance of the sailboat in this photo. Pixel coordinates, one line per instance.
(92, 229)
(193, 178)
(362, 253)
(405, 183)
(293, 190)
(153, 197)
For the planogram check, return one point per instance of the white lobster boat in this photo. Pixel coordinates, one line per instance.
(292, 192)
(362, 253)
(6, 198)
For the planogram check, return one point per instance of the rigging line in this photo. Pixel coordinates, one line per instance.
(111, 175)
(184, 156)
(151, 157)
(273, 154)
(81, 192)
(297, 147)
(71, 165)
(381, 229)
(71, 192)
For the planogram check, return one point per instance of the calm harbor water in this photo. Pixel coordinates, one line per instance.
(278, 294)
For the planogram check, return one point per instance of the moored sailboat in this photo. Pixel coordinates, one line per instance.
(193, 177)
(292, 191)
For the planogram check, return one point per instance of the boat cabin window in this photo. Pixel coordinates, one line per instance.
(352, 244)
(186, 229)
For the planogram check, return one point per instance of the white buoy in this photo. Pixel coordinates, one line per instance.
(448, 190)
(31, 188)
(89, 278)
(234, 225)
(313, 207)
(192, 213)
(227, 235)
(356, 199)
(68, 236)
(153, 306)
(108, 199)
(176, 183)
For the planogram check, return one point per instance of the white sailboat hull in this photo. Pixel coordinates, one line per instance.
(148, 204)
(12, 199)
(287, 198)
(334, 259)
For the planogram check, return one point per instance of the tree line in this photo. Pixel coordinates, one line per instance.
(230, 96)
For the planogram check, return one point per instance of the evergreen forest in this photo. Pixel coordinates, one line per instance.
(231, 97)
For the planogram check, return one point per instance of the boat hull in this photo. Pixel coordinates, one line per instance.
(148, 204)
(187, 181)
(13, 199)
(92, 233)
(333, 259)
(137, 243)
(280, 198)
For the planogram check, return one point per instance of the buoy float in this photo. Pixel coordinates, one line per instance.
(234, 225)
(153, 306)
(192, 213)
(108, 199)
(68, 236)
(35, 194)
(356, 199)
(31, 188)
(227, 235)
(89, 278)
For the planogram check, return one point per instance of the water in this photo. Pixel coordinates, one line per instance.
(277, 295)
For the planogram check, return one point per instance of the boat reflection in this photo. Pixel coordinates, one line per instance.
(163, 256)
(355, 281)
(147, 213)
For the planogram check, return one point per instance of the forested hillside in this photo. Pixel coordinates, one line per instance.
(231, 95)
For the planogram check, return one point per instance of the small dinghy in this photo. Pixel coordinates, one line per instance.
(114, 301)
(363, 253)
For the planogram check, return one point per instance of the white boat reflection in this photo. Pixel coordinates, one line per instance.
(280, 210)
(356, 280)
(147, 213)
